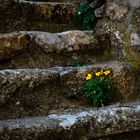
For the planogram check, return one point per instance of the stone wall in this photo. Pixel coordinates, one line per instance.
(121, 20)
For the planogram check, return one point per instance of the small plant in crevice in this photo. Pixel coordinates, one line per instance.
(85, 16)
(98, 87)
(76, 63)
(86, 13)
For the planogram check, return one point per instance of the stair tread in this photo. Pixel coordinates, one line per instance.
(120, 118)
(115, 65)
(42, 2)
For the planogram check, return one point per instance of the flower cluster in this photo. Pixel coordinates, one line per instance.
(98, 87)
(100, 73)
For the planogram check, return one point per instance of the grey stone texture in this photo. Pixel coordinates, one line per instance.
(30, 92)
(121, 19)
(43, 49)
(85, 124)
(52, 98)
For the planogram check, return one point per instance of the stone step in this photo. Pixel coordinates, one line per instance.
(43, 49)
(30, 92)
(75, 1)
(41, 16)
(84, 124)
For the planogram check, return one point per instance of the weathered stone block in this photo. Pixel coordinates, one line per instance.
(85, 124)
(73, 80)
(135, 41)
(13, 44)
(25, 92)
(42, 49)
(123, 27)
(115, 11)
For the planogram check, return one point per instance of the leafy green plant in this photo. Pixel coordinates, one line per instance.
(85, 16)
(98, 87)
(76, 63)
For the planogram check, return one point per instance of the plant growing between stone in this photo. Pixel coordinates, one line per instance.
(76, 63)
(85, 16)
(98, 87)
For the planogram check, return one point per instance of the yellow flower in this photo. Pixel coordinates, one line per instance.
(89, 76)
(99, 73)
(107, 72)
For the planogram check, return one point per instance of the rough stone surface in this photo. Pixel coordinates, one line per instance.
(135, 41)
(13, 44)
(37, 16)
(73, 80)
(116, 11)
(87, 124)
(65, 41)
(123, 29)
(43, 49)
(27, 92)
(135, 35)
(99, 12)
(131, 3)
(74, 1)
(38, 92)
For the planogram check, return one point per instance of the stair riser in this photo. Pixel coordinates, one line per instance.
(27, 92)
(37, 16)
(41, 49)
(34, 92)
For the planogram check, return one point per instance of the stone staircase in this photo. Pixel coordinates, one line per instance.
(41, 94)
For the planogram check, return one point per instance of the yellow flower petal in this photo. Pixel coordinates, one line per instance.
(99, 73)
(102, 72)
(107, 72)
(89, 76)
